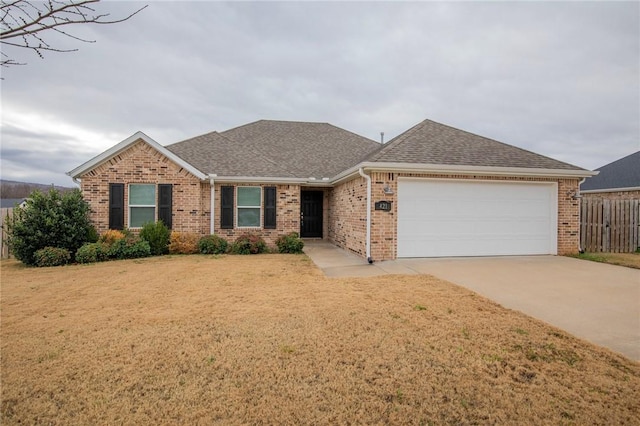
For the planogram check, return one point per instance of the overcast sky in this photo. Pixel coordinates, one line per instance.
(559, 79)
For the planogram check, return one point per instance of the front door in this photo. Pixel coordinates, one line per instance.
(311, 214)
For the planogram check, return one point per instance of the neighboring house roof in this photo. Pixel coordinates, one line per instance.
(9, 203)
(433, 143)
(621, 174)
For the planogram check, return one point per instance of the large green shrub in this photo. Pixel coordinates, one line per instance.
(212, 244)
(248, 244)
(290, 243)
(52, 256)
(50, 220)
(129, 247)
(92, 252)
(157, 235)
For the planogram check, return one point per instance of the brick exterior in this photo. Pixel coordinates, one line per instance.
(347, 215)
(344, 204)
(287, 213)
(615, 195)
(141, 163)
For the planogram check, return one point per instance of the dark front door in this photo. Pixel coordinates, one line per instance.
(311, 214)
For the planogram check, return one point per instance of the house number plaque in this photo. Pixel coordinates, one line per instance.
(383, 205)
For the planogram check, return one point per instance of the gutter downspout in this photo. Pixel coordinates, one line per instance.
(213, 204)
(578, 197)
(368, 240)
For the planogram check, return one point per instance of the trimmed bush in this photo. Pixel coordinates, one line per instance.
(92, 252)
(183, 243)
(157, 235)
(111, 236)
(212, 244)
(50, 220)
(129, 248)
(52, 256)
(290, 243)
(248, 244)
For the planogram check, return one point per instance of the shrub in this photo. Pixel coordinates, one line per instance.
(212, 244)
(248, 244)
(290, 243)
(52, 256)
(183, 243)
(129, 248)
(111, 236)
(92, 252)
(157, 235)
(50, 220)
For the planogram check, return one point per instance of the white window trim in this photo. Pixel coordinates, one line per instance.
(237, 208)
(155, 206)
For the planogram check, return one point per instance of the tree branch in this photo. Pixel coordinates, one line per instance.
(24, 22)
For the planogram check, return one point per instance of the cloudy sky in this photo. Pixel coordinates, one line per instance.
(560, 79)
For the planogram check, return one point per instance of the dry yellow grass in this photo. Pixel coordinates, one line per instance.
(269, 340)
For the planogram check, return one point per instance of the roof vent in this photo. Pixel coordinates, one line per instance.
(382, 138)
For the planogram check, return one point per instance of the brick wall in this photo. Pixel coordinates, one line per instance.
(615, 195)
(568, 217)
(141, 163)
(287, 213)
(347, 217)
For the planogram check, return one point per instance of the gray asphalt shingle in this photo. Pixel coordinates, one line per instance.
(622, 173)
(291, 149)
(429, 142)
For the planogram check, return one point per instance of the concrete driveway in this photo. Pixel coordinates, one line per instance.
(593, 301)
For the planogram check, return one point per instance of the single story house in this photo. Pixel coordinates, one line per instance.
(619, 180)
(432, 191)
(10, 203)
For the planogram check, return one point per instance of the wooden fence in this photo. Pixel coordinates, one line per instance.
(610, 225)
(4, 250)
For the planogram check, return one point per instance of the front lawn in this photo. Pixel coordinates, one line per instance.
(269, 340)
(630, 260)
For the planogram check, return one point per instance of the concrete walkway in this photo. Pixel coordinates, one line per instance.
(594, 301)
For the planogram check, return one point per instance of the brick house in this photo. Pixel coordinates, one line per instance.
(619, 180)
(432, 191)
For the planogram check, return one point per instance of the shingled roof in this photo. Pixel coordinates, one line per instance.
(429, 142)
(622, 173)
(268, 148)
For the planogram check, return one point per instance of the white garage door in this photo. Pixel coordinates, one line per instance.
(438, 218)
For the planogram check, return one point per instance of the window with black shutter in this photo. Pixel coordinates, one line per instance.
(270, 207)
(226, 207)
(165, 197)
(116, 206)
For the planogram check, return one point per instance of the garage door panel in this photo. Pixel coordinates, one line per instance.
(475, 218)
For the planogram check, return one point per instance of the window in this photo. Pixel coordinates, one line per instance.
(248, 205)
(142, 204)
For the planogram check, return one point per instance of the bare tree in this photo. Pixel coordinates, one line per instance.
(25, 23)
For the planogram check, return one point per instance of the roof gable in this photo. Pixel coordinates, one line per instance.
(622, 173)
(124, 145)
(303, 149)
(429, 142)
(276, 149)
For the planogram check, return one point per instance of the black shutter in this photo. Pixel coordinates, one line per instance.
(270, 207)
(116, 206)
(226, 207)
(165, 197)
